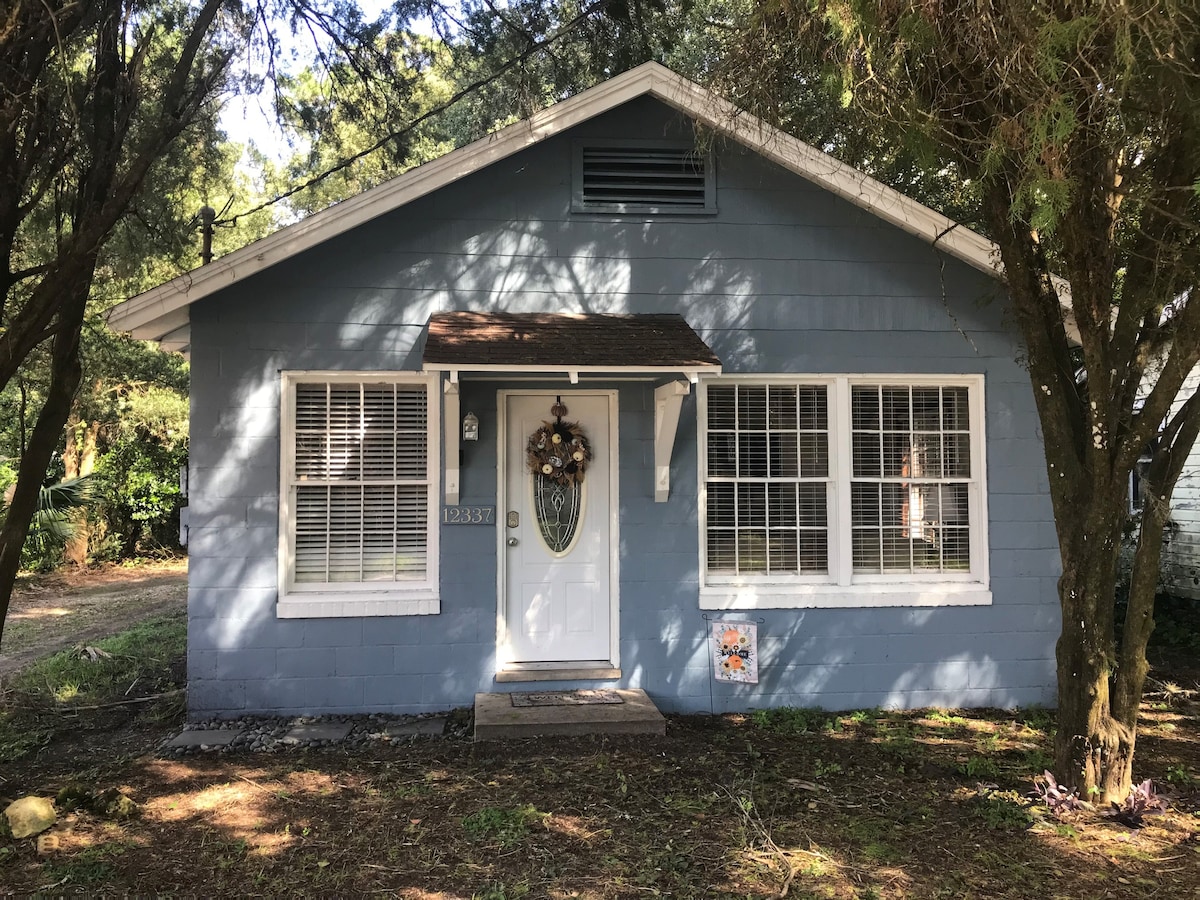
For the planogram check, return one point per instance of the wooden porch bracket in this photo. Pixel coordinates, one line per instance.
(451, 423)
(668, 401)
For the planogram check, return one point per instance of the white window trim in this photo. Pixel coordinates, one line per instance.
(841, 587)
(397, 599)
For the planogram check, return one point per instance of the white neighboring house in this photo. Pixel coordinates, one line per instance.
(1181, 540)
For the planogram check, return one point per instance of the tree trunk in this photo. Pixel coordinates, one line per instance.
(79, 459)
(1093, 750)
(65, 374)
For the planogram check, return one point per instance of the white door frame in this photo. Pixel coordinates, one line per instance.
(503, 647)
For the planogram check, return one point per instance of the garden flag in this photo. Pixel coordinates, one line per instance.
(735, 651)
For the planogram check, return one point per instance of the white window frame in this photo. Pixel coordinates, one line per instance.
(842, 587)
(394, 598)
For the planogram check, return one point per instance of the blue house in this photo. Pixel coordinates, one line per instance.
(537, 414)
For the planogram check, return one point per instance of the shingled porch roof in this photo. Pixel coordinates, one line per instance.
(566, 343)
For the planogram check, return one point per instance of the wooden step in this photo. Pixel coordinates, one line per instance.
(520, 715)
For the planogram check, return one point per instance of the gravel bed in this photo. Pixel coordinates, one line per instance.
(265, 734)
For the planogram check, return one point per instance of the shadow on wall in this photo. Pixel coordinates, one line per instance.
(823, 287)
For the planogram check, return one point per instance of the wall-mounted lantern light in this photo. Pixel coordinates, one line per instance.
(470, 427)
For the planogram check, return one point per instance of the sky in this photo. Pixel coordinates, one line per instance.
(250, 118)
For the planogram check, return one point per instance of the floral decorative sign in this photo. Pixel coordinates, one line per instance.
(735, 651)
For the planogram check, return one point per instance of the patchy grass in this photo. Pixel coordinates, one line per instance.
(135, 674)
(109, 669)
(51, 612)
(720, 807)
(866, 804)
(503, 826)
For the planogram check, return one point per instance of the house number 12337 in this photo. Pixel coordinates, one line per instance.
(468, 515)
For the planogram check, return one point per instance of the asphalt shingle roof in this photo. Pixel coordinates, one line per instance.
(570, 340)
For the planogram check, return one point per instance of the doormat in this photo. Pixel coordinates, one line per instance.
(565, 698)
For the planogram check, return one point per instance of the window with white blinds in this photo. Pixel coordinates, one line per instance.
(838, 481)
(360, 480)
(768, 480)
(910, 493)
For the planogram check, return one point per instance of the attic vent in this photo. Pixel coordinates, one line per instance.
(637, 176)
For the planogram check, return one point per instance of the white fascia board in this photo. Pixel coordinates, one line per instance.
(692, 373)
(141, 315)
(845, 181)
(825, 171)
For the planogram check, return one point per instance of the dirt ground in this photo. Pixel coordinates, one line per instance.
(870, 805)
(880, 808)
(52, 612)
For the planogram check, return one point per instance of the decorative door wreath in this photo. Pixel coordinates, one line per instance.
(558, 454)
(559, 451)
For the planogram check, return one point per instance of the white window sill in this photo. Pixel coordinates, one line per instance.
(330, 606)
(834, 596)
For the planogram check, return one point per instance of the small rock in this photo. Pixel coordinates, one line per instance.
(118, 806)
(73, 796)
(30, 815)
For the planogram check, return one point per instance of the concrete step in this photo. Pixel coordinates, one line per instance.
(521, 715)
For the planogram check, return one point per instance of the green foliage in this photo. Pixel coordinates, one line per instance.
(1036, 760)
(1059, 43)
(822, 769)
(1176, 626)
(138, 475)
(505, 826)
(52, 525)
(90, 866)
(865, 716)
(40, 694)
(1037, 718)
(72, 677)
(1003, 811)
(795, 720)
(1179, 776)
(899, 741)
(343, 121)
(980, 768)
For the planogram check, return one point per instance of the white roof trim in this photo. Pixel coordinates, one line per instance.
(163, 309)
(692, 373)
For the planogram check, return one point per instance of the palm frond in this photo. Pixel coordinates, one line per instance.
(66, 495)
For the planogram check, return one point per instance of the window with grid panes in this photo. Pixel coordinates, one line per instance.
(767, 480)
(910, 493)
(870, 485)
(360, 484)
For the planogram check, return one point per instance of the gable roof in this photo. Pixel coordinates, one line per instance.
(161, 313)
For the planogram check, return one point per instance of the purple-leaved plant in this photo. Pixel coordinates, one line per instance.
(1142, 801)
(1060, 800)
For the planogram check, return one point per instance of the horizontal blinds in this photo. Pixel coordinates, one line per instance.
(768, 480)
(360, 483)
(910, 494)
(361, 432)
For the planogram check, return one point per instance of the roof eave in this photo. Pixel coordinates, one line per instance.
(163, 309)
(693, 373)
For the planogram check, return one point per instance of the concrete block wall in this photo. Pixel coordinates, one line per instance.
(785, 278)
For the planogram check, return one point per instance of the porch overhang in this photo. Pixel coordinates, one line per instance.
(566, 345)
(571, 346)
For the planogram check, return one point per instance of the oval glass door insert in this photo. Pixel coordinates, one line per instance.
(558, 508)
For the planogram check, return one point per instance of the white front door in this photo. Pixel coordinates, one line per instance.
(558, 603)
